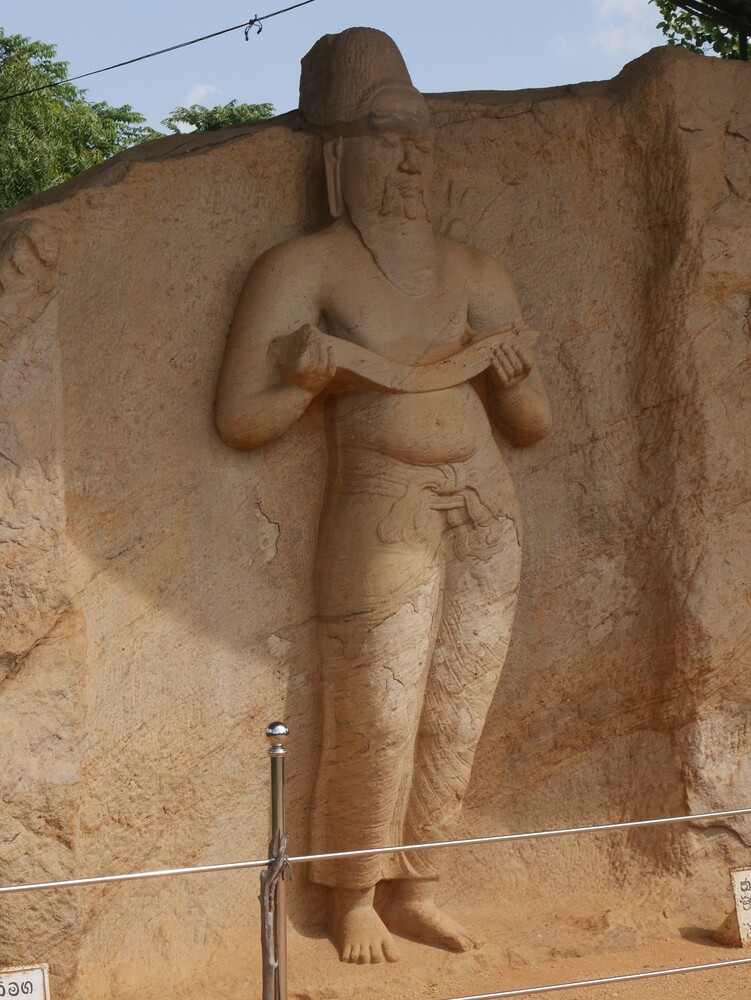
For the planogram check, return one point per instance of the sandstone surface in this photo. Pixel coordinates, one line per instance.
(157, 598)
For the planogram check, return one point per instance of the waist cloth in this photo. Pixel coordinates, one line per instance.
(471, 497)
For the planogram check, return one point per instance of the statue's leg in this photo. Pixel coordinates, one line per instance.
(378, 608)
(478, 605)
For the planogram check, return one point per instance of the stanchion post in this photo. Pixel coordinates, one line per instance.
(277, 734)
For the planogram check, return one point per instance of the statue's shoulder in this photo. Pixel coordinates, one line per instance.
(477, 264)
(299, 252)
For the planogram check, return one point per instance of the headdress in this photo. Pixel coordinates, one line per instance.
(351, 76)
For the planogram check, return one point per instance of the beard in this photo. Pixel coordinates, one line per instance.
(404, 195)
(399, 234)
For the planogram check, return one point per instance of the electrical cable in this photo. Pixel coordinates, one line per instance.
(254, 22)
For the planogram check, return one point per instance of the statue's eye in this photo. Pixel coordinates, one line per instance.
(391, 140)
(426, 146)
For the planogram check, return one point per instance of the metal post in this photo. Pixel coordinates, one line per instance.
(277, 734)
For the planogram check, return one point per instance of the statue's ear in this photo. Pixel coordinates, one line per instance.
(332, 158)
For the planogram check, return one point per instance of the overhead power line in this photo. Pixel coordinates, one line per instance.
(254, 22)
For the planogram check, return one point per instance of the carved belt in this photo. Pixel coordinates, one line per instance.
(417, 491)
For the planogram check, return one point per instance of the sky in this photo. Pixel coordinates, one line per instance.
(448, 46)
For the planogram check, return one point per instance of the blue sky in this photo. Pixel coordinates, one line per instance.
(462, 45)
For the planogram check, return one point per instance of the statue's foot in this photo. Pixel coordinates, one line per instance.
(359, 933)
(411, 911)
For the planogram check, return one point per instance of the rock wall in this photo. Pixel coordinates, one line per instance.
(157, 586)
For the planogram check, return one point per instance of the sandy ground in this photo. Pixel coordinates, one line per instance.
(316, 974)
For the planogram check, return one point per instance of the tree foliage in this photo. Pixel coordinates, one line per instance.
(53, 134)
(694, 32)
(204, 119)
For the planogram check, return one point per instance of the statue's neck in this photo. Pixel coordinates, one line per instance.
(404, 250)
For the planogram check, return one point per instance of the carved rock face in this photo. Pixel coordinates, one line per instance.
(625, 692)
(418, 556)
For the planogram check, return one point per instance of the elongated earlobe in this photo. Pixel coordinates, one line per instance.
(332, 158)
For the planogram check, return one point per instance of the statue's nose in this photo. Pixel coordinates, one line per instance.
(409, 160)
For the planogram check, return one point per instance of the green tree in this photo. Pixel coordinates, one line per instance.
(53, 134)
(696, 33)
(204, 119)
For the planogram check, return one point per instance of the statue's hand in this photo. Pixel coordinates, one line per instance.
(306, 359)
(509, 365)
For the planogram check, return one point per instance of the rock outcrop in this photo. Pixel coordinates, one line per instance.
(157, 604)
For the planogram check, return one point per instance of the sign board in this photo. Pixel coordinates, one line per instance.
(25, 981)
(742, 891)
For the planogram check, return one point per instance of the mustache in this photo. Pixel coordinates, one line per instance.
(404, 194)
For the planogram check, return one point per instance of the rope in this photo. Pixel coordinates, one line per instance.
(501, 838)
(602, 982)
(508, 837)
(278, 868)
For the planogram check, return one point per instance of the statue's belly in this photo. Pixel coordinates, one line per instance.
(430, 428)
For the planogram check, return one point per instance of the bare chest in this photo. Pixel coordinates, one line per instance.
(366, 309)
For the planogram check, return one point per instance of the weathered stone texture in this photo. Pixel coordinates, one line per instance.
(156, 586)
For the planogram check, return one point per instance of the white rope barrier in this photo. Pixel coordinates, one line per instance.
(333, 856)
(532, 990)
(508, 837)
(69, 883)
(275, 984)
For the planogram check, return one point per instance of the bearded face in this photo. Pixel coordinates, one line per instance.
(381, 172)
(388, 175)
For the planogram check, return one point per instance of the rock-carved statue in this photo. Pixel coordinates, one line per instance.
(418, 345)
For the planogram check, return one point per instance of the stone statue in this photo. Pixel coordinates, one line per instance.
(418, 345)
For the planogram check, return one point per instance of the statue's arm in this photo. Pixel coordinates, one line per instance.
(254, 404)
(517, 401)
